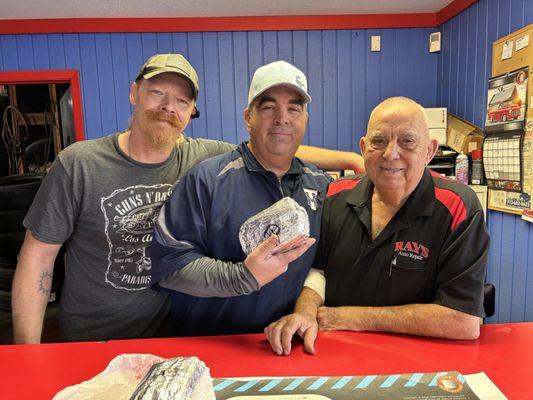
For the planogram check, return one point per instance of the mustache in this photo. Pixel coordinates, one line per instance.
(162, 116)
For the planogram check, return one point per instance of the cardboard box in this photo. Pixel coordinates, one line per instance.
(437, 123)
(463, 136)
(513, 52)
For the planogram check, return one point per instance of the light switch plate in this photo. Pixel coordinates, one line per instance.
(375, 43)
(434, 42)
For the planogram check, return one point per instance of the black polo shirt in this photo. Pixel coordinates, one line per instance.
(434, 250)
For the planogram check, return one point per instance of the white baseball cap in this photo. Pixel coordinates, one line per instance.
(275, 74)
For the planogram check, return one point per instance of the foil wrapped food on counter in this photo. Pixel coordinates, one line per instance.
(285, 218)
(175, 379)
(145, 376)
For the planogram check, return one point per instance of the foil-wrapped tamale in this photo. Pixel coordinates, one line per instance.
(184, 378)
(285, 218)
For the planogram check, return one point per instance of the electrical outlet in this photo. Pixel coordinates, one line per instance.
(375, 43)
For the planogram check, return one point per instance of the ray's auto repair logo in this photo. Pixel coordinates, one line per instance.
(411, 250)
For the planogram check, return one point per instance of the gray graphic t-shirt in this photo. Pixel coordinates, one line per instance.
(103, 205)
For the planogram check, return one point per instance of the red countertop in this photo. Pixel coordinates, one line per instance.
(503, 351)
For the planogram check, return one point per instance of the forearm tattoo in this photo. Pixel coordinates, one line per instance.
(45, 282)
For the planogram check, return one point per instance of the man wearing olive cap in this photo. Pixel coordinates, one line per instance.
(101, 198)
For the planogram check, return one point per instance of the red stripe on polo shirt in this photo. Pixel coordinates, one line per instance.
(340, 185)
(437, 175)
(453, 202)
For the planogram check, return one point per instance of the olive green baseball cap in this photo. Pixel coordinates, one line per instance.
(172, 62)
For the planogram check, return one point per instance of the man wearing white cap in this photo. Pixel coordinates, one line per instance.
(215, 288)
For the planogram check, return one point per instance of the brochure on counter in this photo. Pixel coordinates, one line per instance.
(415, 386)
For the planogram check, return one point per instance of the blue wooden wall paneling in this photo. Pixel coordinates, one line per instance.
(213, 85)
(415, 67)
(56, 49)
(121, 80)
(314, 82)
(444, 77)
(329, 90)
(196, 57)
(454, 66)
(106, 79)
(108, 63)
(387, 65)
(10, 52)
(270, 46)
(300, 59)
(371, 75)
(285, 49)
(228, 117)
(462, 54)
(242, 79)
(483, 62)
(520, 272)
(471, 63)
(41, 56)
(401, 66)
(89, 68)
(358, 86)
(149, 44)
(467, 57)
(1, 54)
(528, 312)
(25, 52)
(344, 98)
(503, 17)
(164, 42)
(528, 14)
(73, 61)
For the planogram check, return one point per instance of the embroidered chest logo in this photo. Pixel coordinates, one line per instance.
(412, 250)
(312, 198)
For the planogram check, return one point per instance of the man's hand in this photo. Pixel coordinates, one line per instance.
(270, 259)
(280, 333)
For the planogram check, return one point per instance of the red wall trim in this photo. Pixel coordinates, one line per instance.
(210, 24)
(217, 24)
(60, 76)
(452, 9)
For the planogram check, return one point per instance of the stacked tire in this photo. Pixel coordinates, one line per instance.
(16, 195)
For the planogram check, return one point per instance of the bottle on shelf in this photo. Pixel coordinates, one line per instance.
(477, 177)
(461, 168)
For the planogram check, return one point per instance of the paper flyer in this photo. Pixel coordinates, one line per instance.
(414, 386)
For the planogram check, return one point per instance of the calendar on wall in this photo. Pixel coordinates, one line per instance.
(502, 159)
(506, 101)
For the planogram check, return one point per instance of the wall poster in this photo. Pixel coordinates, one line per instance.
(506, 101)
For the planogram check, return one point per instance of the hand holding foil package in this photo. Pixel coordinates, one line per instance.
(285, 218)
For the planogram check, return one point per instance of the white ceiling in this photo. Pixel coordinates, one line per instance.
(49, 9)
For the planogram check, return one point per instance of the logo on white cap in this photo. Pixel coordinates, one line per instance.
(278, 73)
